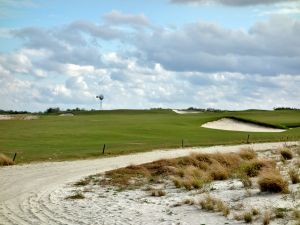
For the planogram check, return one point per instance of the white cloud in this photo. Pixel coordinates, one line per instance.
(233, 2)
(117, 17)
(200, 64)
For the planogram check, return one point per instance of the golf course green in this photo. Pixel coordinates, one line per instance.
(57, 138)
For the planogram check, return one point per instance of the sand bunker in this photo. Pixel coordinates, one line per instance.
(18, 117)
(67, 114)
(236, 125)
(185, 111)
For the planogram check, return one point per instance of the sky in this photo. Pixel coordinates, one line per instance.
(225, 54)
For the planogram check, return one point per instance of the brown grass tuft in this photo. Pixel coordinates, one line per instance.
(82, 182)
(266, 218)
(247, 153)
(157, 193)
(189, 201)
(294, 175)
(5, 161)
(286, 153)
(255, 212)
(131, 176)
(245, 180)
(253, 167)
(272, 181)
(76, 196)
(247, 217)
(213, 204)
(218, 171)
(280, 212)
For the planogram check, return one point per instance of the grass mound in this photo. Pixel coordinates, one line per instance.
(5, 161)
(189, 172)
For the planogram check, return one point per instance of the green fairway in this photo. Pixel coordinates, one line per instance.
(55, 138)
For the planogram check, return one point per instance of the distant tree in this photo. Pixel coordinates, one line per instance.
(53, 110)
(285, 108)
(13, 112)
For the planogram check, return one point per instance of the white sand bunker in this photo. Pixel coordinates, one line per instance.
(178, 111)
(66, 114)
(18, 117)
(236, 125)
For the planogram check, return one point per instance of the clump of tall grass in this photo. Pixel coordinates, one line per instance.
(266, 218)
(272, 181)
(210, 203)
(252, 167)
(286, 153)
(294, 176)
(5, 161)
(247, 153)
(248, 217)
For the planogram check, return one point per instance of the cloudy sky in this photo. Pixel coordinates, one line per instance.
(228, 54)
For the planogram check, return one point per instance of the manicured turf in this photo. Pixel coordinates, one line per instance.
(55, 138)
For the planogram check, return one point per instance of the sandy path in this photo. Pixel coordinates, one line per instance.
(26, 190)
(236, 125)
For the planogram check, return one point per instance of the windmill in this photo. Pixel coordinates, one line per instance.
(101, 97)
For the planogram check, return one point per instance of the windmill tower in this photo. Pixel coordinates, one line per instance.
(101, 97)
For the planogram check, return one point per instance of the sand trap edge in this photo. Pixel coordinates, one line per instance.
(232, 124)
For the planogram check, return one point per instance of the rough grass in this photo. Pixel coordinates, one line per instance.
(247, 153)
(190, 172)
(294, 176)
(82, 182)
(157, 193)
(76, 196)
(210, 203)
(252, 167)
(266, 218)
(286, 153)
(248, 217)
(5, 161)
(272, 181)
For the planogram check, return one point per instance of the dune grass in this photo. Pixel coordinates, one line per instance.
(294, 176)
(55, 138)
(286, 153)
(270, 180)
(5, 161)
(210, 203)
(189, 172)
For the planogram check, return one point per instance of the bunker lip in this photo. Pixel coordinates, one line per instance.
(233, 124)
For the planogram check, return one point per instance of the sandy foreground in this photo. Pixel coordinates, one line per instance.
(235, 125)
(35, 193)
